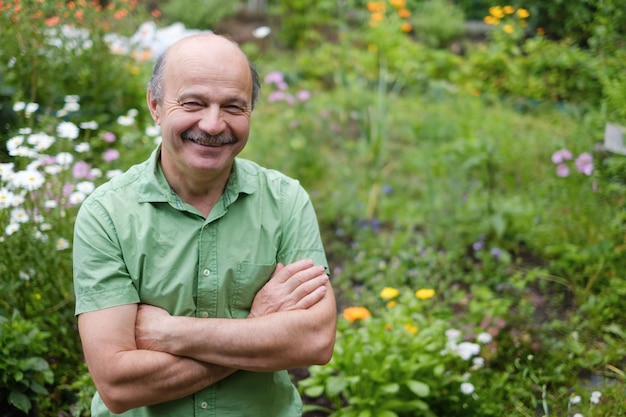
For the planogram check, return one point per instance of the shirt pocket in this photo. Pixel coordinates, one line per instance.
(250, 279)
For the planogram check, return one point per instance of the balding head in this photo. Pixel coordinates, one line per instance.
(214, 46)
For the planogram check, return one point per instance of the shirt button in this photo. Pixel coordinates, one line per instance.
(206, 272)
(205, 314)
(204, 404)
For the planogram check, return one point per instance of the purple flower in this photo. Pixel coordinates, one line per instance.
(111, 155)
(68, 188)
(495, 253)
(561, 155)
(275, 77)
(81, 169)
(584, 163)
(109, 137)
(562, 170)
(303, 95)
(276, 96)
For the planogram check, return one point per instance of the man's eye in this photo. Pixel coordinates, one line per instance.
(192, 104)
(234, 109)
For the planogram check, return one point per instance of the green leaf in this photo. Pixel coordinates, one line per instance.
(390, 388)
(335, 385)
(314, 391)
(20, 401)
(418, 388)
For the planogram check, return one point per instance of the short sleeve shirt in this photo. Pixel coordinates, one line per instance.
(136, 241)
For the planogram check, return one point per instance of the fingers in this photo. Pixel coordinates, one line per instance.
(284, 273)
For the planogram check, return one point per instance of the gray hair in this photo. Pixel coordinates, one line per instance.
(158, 74)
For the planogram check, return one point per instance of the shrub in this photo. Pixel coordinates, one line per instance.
(24, 373)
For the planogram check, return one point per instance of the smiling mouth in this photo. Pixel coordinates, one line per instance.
(208, 140)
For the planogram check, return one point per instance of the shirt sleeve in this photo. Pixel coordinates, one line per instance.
(101, 279)
(301, 234)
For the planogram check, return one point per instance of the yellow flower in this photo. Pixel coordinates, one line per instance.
(356, 313)
(425, 293)
(490, 20)
(523, 13)
(410, 328)
(398, 4)
(508, 9)
(508, 29)
(497, 12)
(391, 304)
(389, 292)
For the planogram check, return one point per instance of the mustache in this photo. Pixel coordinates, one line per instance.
(206, 139)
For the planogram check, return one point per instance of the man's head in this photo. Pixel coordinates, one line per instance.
(202, 93)
(156, 81)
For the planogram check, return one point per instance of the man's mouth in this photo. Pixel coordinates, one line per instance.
(208, 140)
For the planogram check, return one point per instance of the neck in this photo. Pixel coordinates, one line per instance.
(202, 191)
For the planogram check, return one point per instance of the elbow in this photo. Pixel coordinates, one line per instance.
(115, 400)
(323, 349)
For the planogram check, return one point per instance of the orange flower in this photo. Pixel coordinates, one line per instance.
(404, 13)
(356, 313)
(120, 14)
(52, 21)
(406, 27)
(156, 13)
(508, 9)
(523, 13)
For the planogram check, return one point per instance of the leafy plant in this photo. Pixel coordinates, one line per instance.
(402, 361)
(24, 373)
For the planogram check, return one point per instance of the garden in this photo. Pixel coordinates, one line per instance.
(466, 160)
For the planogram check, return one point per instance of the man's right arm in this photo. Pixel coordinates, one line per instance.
(127, 377)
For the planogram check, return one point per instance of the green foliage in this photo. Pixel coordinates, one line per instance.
(404, 361)
(24, 373)
(43, 42)
(438, 22)
(427, 169)
(600, 23)
(204, 14)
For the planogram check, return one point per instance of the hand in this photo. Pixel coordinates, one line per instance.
(150, 324)
(296, 286)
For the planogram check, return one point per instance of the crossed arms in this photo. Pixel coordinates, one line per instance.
(139, 355)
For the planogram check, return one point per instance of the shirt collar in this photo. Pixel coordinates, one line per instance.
(155, 188)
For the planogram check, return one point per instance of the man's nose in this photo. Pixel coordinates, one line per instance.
(212, 120)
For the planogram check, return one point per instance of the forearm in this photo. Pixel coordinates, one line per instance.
(141, 377)
(282, 340)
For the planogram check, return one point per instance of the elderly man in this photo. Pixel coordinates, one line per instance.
(200, 277)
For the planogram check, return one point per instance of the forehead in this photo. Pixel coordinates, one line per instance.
(207, 63)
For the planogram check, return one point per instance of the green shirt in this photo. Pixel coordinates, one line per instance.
(136, 241)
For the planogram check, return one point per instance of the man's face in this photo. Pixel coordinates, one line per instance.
(205, 111)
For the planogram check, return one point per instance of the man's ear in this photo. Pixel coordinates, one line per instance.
(152, 106)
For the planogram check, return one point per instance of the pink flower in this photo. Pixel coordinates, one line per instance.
(277, 96)
(275, 77)
(561, 155)
(111, 155)
(303, 95)
(81, 169)
(562, 170)
(109, 137)
(584, 163)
